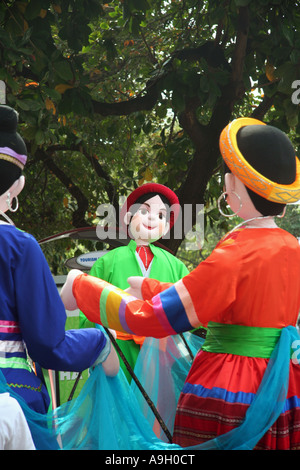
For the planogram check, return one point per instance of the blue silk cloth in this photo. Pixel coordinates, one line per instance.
(108, 413)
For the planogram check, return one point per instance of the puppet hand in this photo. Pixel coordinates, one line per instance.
(66, 293)
(108, 357)
(135, 288)
(111, 365)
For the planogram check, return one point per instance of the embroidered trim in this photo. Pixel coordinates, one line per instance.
(34, 389)
(11, 159)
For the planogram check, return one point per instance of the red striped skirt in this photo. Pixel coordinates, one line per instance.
(217, 393)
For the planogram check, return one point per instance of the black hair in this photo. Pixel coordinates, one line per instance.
(9, 137)
(144, 197)
(9, 173)
(269, 151)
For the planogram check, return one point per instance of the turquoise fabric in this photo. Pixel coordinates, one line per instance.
(42, 428)
(162, 367)
(107, 414)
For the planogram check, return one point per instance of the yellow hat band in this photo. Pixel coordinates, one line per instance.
(281, 193)
(11, 159)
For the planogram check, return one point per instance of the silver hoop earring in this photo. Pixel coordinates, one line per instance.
(16, 206)
(9, 203)
(223, 196)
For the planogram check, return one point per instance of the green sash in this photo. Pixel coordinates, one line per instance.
(241, 340)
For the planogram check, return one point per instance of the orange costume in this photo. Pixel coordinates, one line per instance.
(220, 291)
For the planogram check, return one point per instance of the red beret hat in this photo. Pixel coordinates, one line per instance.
(153, 188)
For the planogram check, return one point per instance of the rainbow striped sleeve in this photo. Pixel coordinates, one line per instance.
(167, 313)
(173, 307)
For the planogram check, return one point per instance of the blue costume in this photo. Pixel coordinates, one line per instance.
(33, 318)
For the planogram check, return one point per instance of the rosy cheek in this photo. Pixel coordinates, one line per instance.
(135, 220)
(161, 226)
(136, 224)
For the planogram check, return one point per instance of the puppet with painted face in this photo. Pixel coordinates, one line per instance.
(148, 214)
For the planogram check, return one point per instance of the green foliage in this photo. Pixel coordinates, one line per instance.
(291, 220)
(112, 94)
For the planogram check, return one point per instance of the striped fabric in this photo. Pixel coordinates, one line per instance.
(168, 313)
(214, 401)
(204, 414)
(113, 304)
(12, 349)
(9, 327)
(169, 307)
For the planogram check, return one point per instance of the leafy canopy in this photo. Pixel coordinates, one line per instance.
(111, 94)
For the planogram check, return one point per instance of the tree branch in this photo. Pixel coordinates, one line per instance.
(211, 52)
(78, 216)
(206, 139)
(151, 56)
(263, 107)
(189, 122)
(109, 187)
(124, 108)
(240, 52)
(97, 167)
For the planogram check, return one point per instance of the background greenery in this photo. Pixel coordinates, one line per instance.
(112, 94)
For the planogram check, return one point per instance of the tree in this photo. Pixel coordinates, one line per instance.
(110, 93)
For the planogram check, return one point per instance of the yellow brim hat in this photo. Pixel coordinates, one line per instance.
(238, 165)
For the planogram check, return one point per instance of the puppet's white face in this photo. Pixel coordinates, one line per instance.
(149, 223)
